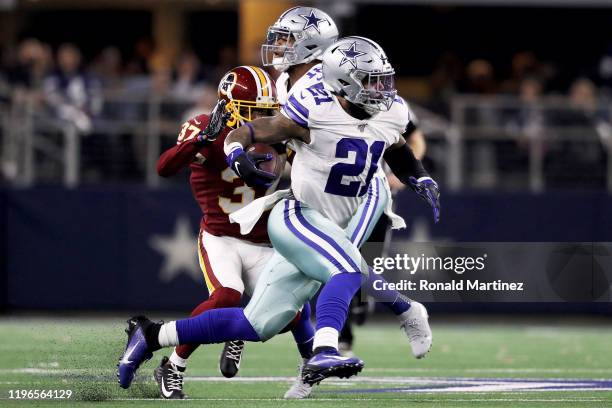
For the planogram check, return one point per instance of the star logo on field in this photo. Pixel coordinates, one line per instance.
(350, 54)
(179, 251)
(312, 21)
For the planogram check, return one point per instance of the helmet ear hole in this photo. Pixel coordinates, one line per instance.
(343, 82)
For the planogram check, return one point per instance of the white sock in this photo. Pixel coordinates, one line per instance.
(168, 335)
(326, 337)
(178, 360)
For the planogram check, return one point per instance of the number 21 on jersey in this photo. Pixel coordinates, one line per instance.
(339, 170)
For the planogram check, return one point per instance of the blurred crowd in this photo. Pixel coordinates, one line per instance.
(525, 76)
(543, 115)
(90, 95)
(62, 77)
(75, 89)
(108, 99)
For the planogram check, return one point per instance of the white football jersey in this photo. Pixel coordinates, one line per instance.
(282, 85)
(332, 173)
(314, 75)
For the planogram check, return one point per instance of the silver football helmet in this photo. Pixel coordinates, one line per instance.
(300, 35)
(358, 69)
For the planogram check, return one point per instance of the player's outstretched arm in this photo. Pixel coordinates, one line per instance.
(263, 130)
(410, 171)
(195, 134)
(177, 157)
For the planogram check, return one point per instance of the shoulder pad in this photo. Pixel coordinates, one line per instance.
(192, 127)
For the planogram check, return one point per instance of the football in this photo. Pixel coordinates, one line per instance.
(276, 165)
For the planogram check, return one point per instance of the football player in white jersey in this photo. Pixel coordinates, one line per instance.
(341, 130)
(294, 46)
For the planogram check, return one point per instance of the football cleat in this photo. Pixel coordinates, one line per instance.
(169, 378)
(299, 389)
(330, 364)
(415, 323)
(229, 363)
(136, 350)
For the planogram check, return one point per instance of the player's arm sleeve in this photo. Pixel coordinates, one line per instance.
(186, 149)
(413, 122)
(414, 136)
(174, 159)
(402, 162)
(270, 130)
(296, 111)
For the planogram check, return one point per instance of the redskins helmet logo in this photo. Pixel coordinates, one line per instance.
(227, 84)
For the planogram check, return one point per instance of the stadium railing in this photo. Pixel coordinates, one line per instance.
(488, 143)
(551, 143)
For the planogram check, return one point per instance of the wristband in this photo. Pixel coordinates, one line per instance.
(228, 148)
(231, 157)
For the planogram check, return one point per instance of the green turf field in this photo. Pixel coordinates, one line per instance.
(80, 355)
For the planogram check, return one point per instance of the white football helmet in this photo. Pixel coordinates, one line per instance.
(358, 69)
(300, 35)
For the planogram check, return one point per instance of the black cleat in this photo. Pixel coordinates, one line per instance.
(169, 378)
(229, 363)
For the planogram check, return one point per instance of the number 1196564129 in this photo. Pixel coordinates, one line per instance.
(39, 394)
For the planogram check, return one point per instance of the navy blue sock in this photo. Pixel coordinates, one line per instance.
(392, 299)
(335, 298)
(303, 333)
(216, 326)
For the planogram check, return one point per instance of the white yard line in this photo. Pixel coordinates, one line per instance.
(408, 385)
(436, 400)
(493, 370)
(41, 370)
(363, 379)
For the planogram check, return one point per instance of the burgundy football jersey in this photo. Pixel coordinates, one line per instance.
(215, 186)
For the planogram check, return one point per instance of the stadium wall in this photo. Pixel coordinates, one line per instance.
(3, 253)
(128, 247)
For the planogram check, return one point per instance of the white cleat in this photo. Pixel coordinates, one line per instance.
(415, 323)
(299, 389)
(345, 349)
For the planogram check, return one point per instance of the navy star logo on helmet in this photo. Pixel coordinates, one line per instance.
(312, 21)
(350, 54)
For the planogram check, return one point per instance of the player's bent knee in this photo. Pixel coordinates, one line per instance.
(293, 323)
(272, 323)
(280, 292)
(225, 297)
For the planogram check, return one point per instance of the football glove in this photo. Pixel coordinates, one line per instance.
(245, 164)
(218, 119)
(427, 189)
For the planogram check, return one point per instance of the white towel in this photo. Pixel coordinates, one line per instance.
(248, 215)
(397, 222)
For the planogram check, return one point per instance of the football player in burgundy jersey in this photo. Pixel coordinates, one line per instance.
(225, 256)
